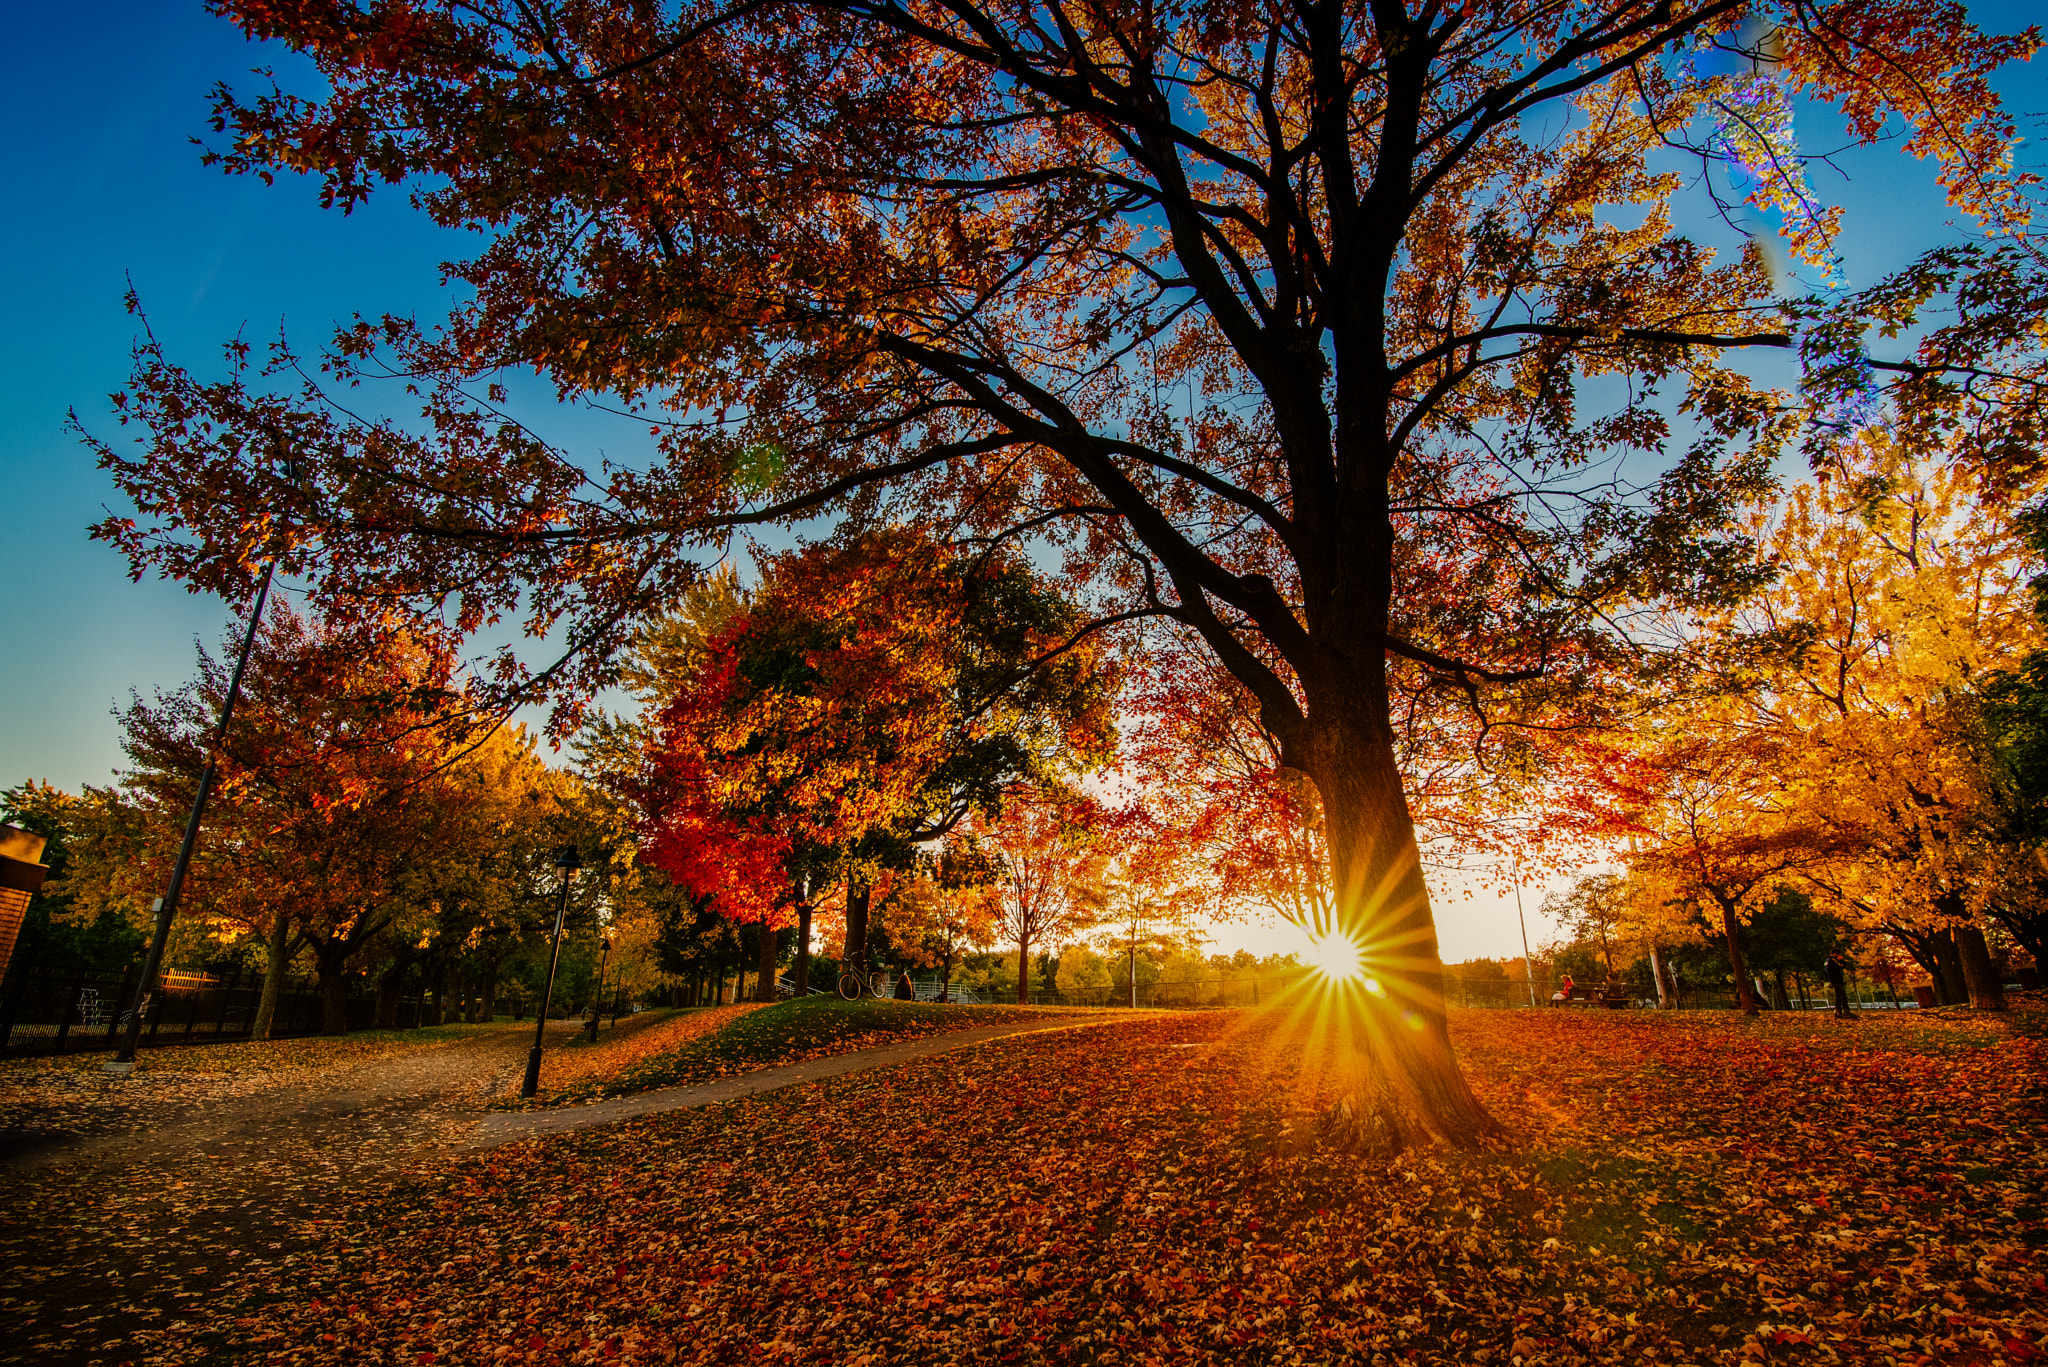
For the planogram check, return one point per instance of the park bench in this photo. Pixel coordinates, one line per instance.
(1589, 996)
(927, 990)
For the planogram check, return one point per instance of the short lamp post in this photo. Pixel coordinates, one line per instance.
(568, 861)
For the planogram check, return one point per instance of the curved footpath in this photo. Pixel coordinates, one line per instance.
(506, 1127)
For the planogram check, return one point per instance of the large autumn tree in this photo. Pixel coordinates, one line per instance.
(1273, 317)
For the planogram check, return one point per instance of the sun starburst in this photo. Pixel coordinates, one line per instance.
(1337, 957)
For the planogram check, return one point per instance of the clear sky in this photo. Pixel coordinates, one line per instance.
(103, 185)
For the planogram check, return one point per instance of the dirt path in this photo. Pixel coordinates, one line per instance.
(110, 1233)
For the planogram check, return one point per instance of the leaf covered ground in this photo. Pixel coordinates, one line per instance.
(1690, 1188)
(139, 1224)
(725, 1041)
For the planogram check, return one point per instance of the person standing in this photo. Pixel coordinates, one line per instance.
(1836, 968)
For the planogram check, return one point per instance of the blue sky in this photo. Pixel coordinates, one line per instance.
(104, 185)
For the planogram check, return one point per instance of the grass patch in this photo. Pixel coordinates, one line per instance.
(700, 1046)
(628, 1027)
(584, 1070)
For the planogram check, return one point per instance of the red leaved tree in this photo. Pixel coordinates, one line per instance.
(817, 716)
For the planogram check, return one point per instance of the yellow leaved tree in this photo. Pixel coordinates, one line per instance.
(1904, 577)
(1851, 766)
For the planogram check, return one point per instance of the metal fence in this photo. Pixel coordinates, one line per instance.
(1809, 995)
(79, 1012)
(1478, 994)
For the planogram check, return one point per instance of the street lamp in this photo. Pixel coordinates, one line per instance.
(1138, 910)
(1528, 966)
(167, 905)
(568, 861)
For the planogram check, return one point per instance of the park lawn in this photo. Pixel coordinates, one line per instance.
(723, 1041)
(1682, 1189)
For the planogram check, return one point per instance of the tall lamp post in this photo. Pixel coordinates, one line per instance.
(568, 861)
(167, 905)
(1528, 968)
(1131, 964)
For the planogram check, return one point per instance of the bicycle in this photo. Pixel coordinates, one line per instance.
(855, 984)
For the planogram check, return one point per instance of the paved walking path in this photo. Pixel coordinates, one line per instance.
(509, 1126)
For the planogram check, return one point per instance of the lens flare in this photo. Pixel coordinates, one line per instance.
(1336, 956)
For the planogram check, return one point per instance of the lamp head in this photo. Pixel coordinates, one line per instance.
(568, 860)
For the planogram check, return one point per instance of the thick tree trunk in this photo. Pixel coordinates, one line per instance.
(1382, 905)
(333, 995)
(1024, 972)
(1950, 988)
(857, 895)
(1987, 992)
(275, 960)
(1666, 996)
(802, 973)
(487, 1008)
(390, 989)
(766, 966)
(1738, 968)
